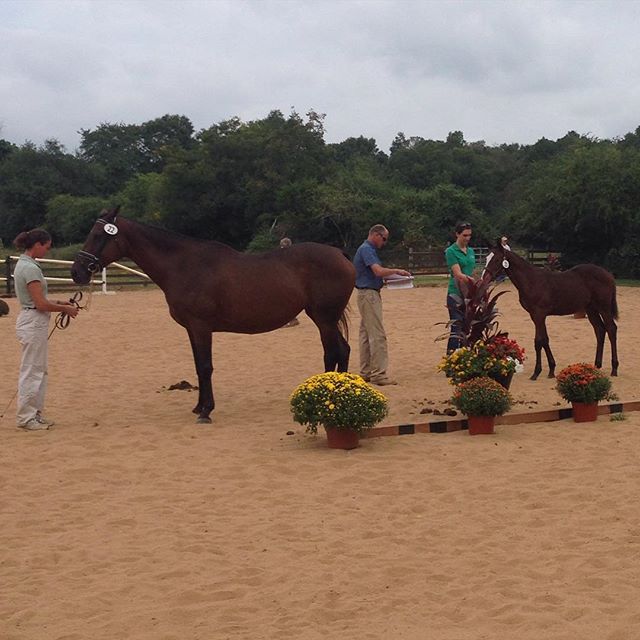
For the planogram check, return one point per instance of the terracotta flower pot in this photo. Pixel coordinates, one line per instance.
(342, 438)
(479, 425)
(585, 412)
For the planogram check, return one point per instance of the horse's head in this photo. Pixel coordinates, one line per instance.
(100, 248)
(498, 263)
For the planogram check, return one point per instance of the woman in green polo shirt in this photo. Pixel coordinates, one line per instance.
(461, 261)
(32, 327)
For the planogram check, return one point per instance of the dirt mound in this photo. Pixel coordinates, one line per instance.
(183, 385)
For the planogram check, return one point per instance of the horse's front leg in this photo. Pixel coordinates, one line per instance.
(538, 368)
(201, 347)
(542, 342)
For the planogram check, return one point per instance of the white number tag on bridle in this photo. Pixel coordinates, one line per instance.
(111, 229)
(505, 263)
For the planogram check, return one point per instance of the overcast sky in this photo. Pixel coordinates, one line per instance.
(498, 71)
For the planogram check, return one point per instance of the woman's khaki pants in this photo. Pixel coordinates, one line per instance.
(32, 327)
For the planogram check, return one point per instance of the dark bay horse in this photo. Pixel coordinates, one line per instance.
(543, 293)
(211, 287)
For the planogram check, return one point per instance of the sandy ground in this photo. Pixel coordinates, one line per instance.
(129, 521)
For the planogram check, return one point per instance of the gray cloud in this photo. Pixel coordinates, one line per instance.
(498, 71)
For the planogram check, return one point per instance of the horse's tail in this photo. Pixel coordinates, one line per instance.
(343, 323)
(614, 305)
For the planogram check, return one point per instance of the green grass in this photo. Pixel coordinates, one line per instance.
(430, 281)
(442, 281)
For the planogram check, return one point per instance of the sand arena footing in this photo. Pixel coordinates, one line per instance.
(458, 424)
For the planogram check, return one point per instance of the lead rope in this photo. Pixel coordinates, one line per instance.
(61, 322)
(62, 319)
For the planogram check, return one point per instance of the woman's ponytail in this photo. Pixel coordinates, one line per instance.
(27, 239)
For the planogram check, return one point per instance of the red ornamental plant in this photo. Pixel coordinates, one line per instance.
(582, 382)
(479, 314)
(501, 346)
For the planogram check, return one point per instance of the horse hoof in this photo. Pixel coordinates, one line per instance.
(551, 375)
(534, 376)
(203, 420)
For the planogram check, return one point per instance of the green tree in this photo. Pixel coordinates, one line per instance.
(142, 198)
(70, 218)
(583, 202)
(431, 215)
(6, 148)
(121, 151)
(29, 177)
(240, 177)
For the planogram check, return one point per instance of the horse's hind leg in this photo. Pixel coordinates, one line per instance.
(612, 331)
(201, 347)
(333, 344)
(344, 352)
(599, 330)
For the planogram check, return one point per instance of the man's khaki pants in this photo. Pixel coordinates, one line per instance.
(374, 358)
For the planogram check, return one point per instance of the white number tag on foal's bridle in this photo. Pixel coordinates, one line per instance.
(111, 229)
(505, 263)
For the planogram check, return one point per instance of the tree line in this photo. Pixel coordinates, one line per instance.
(250, 183)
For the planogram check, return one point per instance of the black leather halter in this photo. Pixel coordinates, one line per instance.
(90, 261)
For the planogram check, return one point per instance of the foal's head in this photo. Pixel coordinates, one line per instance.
(100, 248)
(498, 264)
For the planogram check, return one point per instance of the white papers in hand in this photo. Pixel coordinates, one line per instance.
(399, 282)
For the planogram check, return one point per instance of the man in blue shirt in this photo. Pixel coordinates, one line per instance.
(374, 358)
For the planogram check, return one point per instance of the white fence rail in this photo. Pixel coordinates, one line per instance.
(7, 279)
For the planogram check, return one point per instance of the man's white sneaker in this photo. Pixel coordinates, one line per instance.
(34, 425)
(42, 420)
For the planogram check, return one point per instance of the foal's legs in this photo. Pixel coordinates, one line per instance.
(201, 347)
(542, 342)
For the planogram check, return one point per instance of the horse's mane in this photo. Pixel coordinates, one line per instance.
(166, 239)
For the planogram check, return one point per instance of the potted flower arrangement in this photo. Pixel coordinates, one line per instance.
(497, 357)
(584, 385)
(485, 350)
(503, 348)
(342, 402)
(481, 399)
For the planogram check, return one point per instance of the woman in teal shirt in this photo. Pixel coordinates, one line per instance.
(461, 261)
